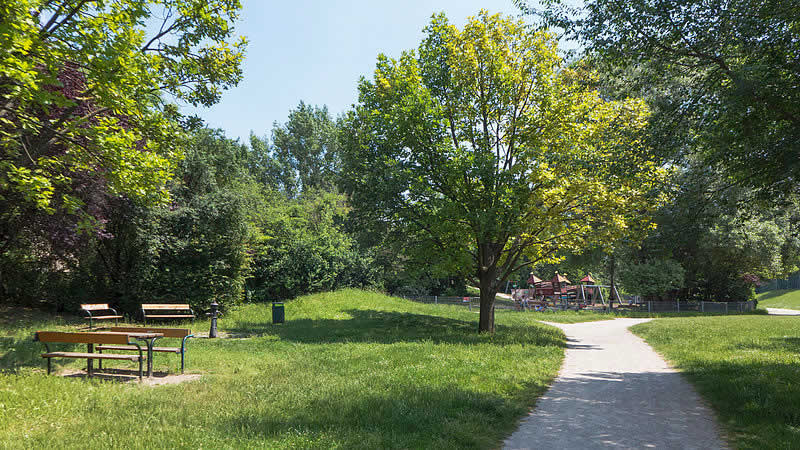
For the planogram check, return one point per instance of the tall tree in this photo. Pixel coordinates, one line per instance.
(725, 73)
(306, 146)
(487, 146)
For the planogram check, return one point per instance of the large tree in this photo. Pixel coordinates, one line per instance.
(493, 152)
(86, 91)
(724, 75)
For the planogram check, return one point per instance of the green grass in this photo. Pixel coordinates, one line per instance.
(747, 367)
(782, 298)
(347, 370)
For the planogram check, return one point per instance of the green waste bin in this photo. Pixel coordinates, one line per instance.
(277, 312)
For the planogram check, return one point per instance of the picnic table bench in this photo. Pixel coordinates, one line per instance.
(166, 311)
(179, 333)
(99, 311)
(91, 338)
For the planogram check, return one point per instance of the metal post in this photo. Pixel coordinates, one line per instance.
(678, 302)
(702, 306)
(212, 333)
(726, 307)
(649, 307)
(435, 299)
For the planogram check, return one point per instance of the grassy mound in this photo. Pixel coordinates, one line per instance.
(348, 369)
(745, 366)
(782, 298)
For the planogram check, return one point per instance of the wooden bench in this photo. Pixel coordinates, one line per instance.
(166, 311)
(92, 338)
(105, 312)
(179, 333)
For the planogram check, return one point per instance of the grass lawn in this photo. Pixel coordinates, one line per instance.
(781, 298)
(747, 367)
(348, 369)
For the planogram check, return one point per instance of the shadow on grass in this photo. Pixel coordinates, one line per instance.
(760, 402)
(389, 327)
(599, 409)
(404, 416)
(787, 344)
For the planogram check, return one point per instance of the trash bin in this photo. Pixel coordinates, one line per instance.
(277, 312)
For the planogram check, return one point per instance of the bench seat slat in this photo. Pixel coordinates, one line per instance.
(91, 355)
(106, 317)
(95, 307)
(167, 315)
(181, 306)
(133, 347)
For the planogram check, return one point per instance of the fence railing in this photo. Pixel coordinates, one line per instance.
(793, 282)
(651, 307)
(715, 307)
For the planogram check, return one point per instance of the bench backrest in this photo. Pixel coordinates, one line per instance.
(167, 306)
(95, 306)
(81, 338)
(167, 332)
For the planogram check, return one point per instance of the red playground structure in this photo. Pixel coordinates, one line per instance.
(559, 292)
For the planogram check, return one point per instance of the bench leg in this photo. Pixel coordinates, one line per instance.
(48, 365)
(100, 361)
(90, 361)
(140, 366)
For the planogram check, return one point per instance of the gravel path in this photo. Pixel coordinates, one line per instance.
(614, 391)
(782, 312)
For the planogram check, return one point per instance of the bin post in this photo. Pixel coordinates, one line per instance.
(212, 332)
(278, 315)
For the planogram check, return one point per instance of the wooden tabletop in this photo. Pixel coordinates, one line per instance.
(134, 334)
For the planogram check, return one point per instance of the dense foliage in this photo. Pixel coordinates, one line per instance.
(723, 72)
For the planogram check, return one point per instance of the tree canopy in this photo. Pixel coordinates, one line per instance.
(86, 88)
(724, 72)
(493, 151)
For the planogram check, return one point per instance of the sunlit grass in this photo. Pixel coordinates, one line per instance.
(783, 298)
(348, 369)
(747, 367)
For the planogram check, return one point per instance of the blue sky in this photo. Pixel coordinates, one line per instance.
(316, 50)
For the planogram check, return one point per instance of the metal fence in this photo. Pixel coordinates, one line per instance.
(793, 282)
(651, 307)
(713, 307)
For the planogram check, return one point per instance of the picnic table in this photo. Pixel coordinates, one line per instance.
(148, 336)
(93, 338)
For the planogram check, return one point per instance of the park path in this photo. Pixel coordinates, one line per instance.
(614, 391)
(782, 312)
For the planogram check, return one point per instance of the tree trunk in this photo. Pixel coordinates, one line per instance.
(488, 293)
(487, 278)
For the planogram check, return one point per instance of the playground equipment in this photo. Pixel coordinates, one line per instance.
(562, 293)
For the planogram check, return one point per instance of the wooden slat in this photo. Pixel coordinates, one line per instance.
(167, 332)
(91, 355)
(166, 306)
(82, 338)
(167, 316)
(106, 317)
(133, 348)
(95, 306)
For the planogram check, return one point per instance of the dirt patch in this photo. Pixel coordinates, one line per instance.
(132, 376)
